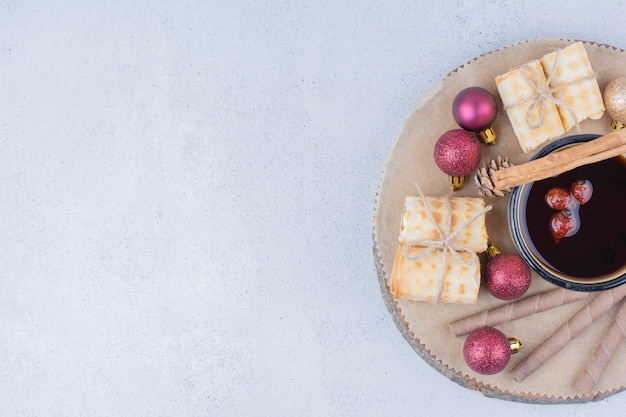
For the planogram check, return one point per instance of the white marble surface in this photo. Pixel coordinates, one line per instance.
(187, 198)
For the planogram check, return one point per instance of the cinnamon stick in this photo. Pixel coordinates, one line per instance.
(604, 352)
(599, 149)
(568, 331)
(516, 310)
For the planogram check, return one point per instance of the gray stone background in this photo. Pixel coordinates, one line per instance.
(187, 191)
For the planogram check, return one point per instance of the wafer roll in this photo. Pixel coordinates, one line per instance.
(603, 353)
(568, 331)
(516, 310)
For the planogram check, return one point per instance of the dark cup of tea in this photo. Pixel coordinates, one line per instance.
(571, 228)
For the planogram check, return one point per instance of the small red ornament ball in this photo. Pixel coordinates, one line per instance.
(457, 152)
(507, 276)
(487, 351)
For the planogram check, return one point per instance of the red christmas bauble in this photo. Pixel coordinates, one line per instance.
(487, 350)
(457, 152)
(507, 276)
(474, 109)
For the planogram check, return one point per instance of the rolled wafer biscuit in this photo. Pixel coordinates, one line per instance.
(568, 331)
(604, 353)
(516, 310)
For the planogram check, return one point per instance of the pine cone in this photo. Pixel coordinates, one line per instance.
(484, 178)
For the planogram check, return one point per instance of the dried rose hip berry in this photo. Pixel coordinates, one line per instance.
(582, 190)
(563, 224)
(559, 198)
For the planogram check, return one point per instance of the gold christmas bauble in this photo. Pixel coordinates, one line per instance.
(615, 99)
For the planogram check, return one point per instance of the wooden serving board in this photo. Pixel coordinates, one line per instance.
(425, 325)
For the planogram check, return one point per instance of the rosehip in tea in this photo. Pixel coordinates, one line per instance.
(559, 198)
(563, 224)
(566, 222)
(582, 190)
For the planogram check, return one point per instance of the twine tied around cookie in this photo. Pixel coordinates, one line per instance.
(545, 93)
(445, 243)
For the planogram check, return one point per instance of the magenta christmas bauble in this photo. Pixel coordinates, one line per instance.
(457, 152)
(474, 109)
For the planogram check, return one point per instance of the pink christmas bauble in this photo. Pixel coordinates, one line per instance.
(457, 152)
(474, 109)
(487, 350)
(507, 276)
